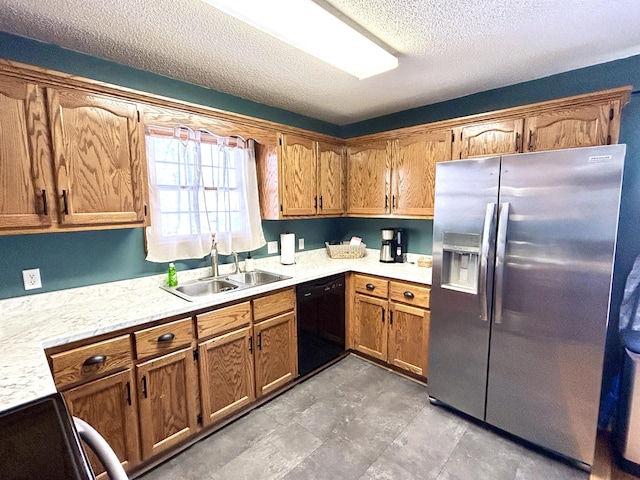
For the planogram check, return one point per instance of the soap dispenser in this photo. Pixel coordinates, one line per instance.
(248, 263)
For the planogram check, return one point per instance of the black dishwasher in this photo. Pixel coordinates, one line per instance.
(320, 322)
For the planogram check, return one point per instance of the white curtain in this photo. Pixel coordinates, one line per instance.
(237, 214)
(199, 189)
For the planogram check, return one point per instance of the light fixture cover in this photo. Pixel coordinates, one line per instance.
(307, 26)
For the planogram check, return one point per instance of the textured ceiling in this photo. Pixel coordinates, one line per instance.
(446, 49)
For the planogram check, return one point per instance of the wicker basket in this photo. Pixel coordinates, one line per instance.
(345, 250)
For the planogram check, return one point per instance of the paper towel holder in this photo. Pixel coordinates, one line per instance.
(287, 248)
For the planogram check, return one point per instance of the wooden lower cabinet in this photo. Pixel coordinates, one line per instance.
(167, 400)
(226, 374)
(109, 405)
(370, 326)
(389, 321)
(276, 352)
(408, 337)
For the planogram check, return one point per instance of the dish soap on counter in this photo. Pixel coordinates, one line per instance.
(248, 263)
(173, 276)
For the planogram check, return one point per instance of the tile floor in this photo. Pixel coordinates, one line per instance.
(358, 421)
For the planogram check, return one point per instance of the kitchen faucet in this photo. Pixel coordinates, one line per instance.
(214, 259)
(235, 262)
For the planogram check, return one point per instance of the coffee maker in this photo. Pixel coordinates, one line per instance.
(400, 246)
(387, 250)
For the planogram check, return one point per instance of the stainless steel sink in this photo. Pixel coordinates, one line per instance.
(210, 286)
(202, 288)
(256, 277)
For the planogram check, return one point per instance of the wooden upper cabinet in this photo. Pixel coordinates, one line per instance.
(330, 179)
(298, 167)
(26, 196)
(413, 171)
(99, 161)
(487, 139)
(368, 178)
(568, 128)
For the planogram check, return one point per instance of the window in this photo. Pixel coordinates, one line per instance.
(200, 185)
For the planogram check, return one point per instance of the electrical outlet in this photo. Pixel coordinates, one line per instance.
(272, 247)
(31, 279)
(301, 244)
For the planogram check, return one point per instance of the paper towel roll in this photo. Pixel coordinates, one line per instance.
(287, 248)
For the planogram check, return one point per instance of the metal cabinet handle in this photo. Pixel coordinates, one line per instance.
(167, 337)
(128, 393)
(383, 316)
(260, 341)
(408, 294)
(251, 344)
(370, 286)
(44, 203)
(530, 148)
(320, 202)
(95, 360)
(386, 202)
(64, 201)
(144, 386)
(315, 202)
(391, 317)
(393, 202)
(517, 142)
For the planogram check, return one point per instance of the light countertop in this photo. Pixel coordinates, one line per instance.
(32, 323)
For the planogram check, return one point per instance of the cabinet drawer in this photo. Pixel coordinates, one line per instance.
(265, 307)
(91, 361)
(224, 319)
(376, 287)
(409, 294)
(163, 338)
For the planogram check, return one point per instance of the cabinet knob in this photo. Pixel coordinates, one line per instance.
(167, 337)
(94, 360)
(370, 286)
(409, 294)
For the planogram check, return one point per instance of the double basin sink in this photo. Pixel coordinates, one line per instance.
(210, 286)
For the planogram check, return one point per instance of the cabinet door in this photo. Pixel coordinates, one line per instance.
(414, 171)
(108, 405)
(167, 401)
(568, 128)
(298, 179)
(370, 326)
(25, 156)
(330, 179)
(99, 160)
(368, 179)
(275, 353)
(226, 374)
(409, 337)
(487, 139)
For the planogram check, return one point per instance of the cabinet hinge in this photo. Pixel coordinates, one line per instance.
(611, 114)
(199, 419)
(196, 355)
(608, 139)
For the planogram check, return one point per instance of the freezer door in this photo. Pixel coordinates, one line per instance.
(548, 335)
(463, 233)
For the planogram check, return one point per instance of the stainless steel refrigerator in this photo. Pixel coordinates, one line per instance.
(523, 253)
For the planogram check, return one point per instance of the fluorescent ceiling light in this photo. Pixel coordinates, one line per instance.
(307, 26)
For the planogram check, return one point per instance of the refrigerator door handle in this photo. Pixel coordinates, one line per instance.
(489, 226)
(501, 245)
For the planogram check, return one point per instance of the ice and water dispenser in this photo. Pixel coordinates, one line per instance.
(460, 261)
